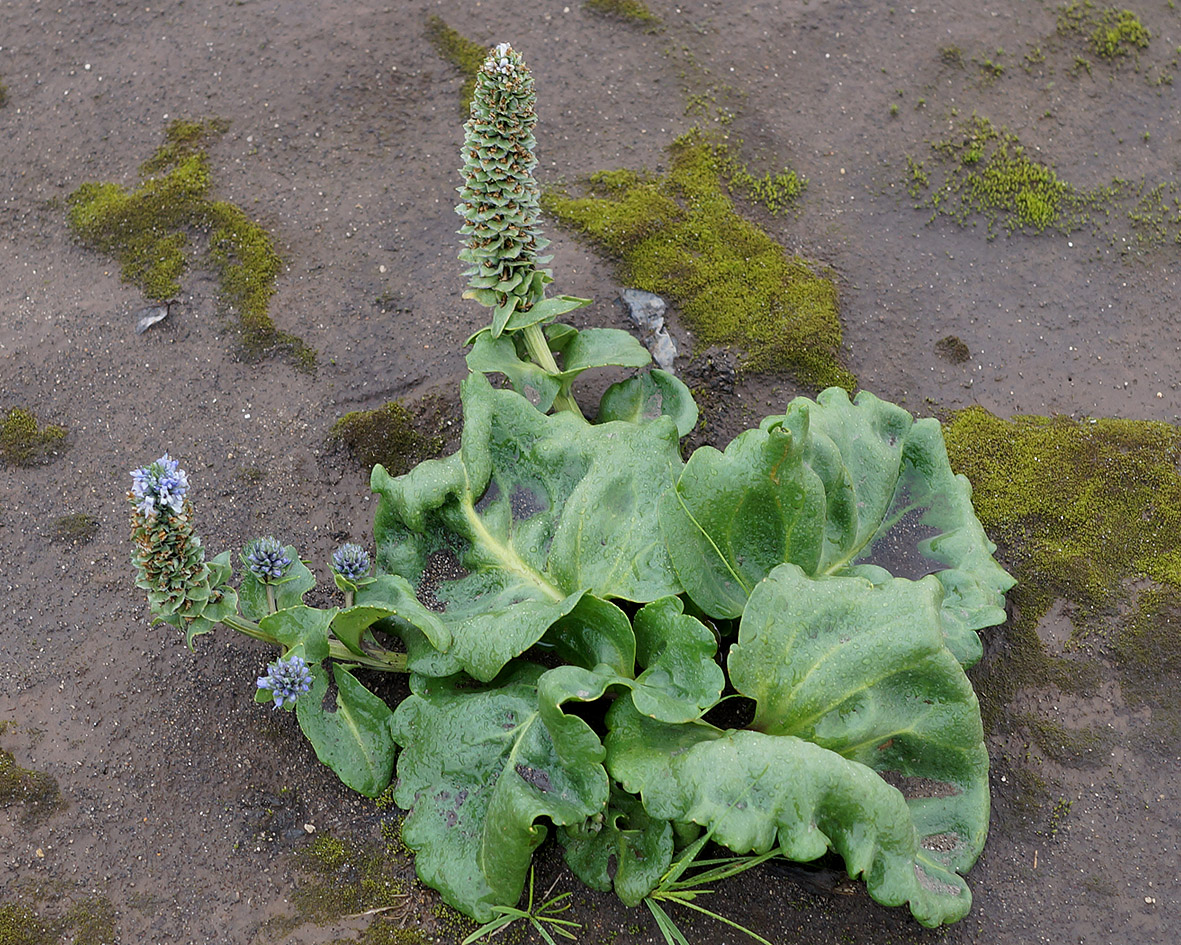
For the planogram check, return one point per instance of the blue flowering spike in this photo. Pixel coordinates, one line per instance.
(287, 679)
(159, 485)
(267, 560)
(351, 562)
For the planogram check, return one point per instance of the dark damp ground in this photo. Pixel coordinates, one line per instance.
(181, 802)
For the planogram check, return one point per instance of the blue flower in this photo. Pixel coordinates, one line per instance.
(266, 559)
(351, 562)
(161, 484)
(287, 679)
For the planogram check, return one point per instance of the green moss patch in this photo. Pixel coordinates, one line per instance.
(633, 11)
(86, 921)
(396, 436)
(24, 442)
(147, 230)
(36, 791)
(1084, 512)
(465, 54)
(22, 926)
(1108, 32)
(984, 172)
(681, 237)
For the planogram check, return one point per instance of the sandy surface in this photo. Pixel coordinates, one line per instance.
(343, 141)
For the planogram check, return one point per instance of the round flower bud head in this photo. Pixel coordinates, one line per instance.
(287, 679)
(267, 560)
(351, 562)
(159, 485)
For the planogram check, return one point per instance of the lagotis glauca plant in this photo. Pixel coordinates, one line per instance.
(571, 599)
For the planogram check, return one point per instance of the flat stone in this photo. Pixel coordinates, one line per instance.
(645, 309)
(145, 318)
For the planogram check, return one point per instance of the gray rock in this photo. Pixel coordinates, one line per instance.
(663, 349)
(145, 318)
(645, 309)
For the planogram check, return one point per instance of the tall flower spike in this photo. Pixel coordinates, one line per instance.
(499, 197)
(168, 557)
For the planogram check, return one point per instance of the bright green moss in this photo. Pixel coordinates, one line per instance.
(1109, 32)
(396, 437)
(634, 11)
(463, 53)
(23, 442)
(680, 236)
(1082, 510)
(147, 230)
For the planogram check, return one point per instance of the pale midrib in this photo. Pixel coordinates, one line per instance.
(508, 559)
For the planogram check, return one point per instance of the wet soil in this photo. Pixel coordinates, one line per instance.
(184, 799)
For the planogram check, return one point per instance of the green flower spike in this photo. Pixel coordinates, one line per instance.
(499, 197)
(499, 206)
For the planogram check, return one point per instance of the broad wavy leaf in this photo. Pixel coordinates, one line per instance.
(502, 539)
(835, 487)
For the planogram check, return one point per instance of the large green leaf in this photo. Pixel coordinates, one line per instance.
(480, 766)
(836, 487)
(759, 791)
(647, 396)
(503, 538)
(499, 355)
(861, 670)
(352, 732)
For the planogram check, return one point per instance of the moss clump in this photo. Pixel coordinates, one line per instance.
(345, 878)
(23, 442)
(1093, 502)
(633, 11)
(680, 236)
(397, 437)
(1109, 32)
(76, 529)
(147, 230)
(952, 348)
(989, 173)
(22, 926)
(3, 94)
(463, 53)
(37, 791)
(1081, 511)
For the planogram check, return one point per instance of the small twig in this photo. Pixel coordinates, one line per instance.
(377, 910)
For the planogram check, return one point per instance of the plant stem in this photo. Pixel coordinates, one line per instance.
(389, 663)
(538, 347)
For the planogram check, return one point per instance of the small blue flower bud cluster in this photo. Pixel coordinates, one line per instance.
(287, 679)
(351, 562)
(267, 560)
(159, 485)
